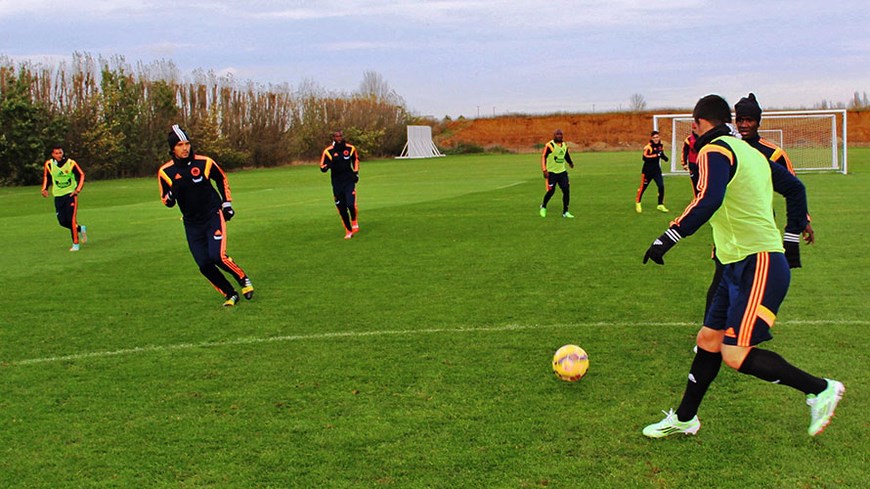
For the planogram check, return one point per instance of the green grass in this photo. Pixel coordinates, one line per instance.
(418, 353)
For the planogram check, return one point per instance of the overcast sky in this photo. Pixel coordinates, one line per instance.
(470, 57)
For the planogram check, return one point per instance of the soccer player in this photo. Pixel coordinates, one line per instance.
(652, 171)
(748, 119)
(735, 194)
(342, 161)
(205, 209)
(689, 159)
(66, 179)
(553, 160)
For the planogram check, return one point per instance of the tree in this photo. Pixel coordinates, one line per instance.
(373, 86)
(636, 103)
(24, 126)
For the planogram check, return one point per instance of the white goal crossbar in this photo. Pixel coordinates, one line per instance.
(420, 144)
(815, 140)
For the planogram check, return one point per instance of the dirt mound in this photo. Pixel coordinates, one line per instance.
(585, 132)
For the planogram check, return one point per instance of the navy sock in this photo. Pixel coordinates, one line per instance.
(704, 369)
(769, 366)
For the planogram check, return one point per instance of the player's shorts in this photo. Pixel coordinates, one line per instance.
(748, 297)
(560, 179)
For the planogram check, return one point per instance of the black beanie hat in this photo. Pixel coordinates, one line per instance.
(748, 107)
(712, 108)
(176, 135)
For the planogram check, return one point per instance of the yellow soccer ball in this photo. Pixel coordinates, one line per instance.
(570, 363)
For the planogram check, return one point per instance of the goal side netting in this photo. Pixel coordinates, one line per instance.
(420, 144)
(815, 140)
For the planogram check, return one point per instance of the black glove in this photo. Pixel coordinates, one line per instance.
(661, 245)
(791, 242)
(170, 199)
(665, 157)
(228, 212)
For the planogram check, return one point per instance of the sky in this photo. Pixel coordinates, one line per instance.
(478, 57)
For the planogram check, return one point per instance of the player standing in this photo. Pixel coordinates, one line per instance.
(747, 118)
(553, 160)
(689, 159)
(66, 179)
(187, 179)
(736, 189)
(652, 171)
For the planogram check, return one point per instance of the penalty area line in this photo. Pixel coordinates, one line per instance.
(363, 334)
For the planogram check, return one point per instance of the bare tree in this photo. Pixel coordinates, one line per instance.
(637, 103)
(373, 86)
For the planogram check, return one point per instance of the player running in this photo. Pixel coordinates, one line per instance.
(342, 161)
(205, 209)
(66, 179)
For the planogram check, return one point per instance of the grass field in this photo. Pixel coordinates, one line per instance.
(418, 353)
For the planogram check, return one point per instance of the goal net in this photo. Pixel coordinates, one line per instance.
(815, 140)
(420, 143)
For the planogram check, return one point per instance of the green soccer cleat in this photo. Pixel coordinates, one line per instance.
(231, 300)
(568, 215)
(543, 212)
(822, 406)
(638, 208)
(247, 288)
(662, 208)
(671, 425)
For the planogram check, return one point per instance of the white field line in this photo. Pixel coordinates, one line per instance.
(362, 334)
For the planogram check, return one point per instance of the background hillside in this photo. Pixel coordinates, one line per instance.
(586, 132)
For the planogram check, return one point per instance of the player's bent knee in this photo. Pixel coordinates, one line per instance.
(710, 339)
(733, 356)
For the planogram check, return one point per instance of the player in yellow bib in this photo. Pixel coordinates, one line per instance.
(735, 194)
(65, 178)
(553, 160)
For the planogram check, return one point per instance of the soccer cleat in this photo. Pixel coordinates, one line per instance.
(822, 406)
(671, 425)
(247, 288)
(75, 247)
(662, 208)
(568, 215)
(638, 208)
(348, 235)
(231, 300)
(543, 212)
(354, 227)
(83, 234)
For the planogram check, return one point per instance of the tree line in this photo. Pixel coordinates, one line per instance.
(113, 118)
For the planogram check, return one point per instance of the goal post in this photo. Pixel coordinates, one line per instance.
(420, 144)
(815, 140)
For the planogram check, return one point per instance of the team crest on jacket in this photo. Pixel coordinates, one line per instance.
(194, 171)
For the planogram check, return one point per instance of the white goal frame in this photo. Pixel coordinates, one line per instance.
(420, 144)
(771, 121)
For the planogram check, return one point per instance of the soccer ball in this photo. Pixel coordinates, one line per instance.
(570, 363)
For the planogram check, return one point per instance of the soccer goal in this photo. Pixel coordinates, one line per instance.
(420, 144)
(815, 140)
